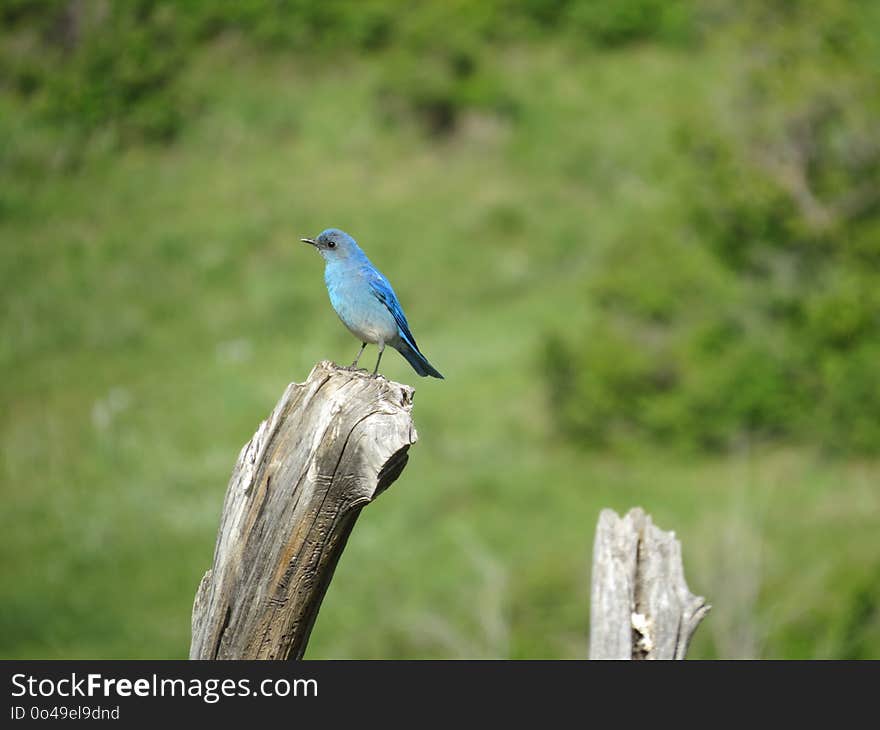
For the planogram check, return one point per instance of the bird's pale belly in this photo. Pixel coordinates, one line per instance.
(369, 320)
(367, 332)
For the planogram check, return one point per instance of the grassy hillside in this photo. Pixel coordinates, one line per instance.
(156, 302)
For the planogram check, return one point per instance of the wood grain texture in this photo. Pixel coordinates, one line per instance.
(640, 604)
(330, 446)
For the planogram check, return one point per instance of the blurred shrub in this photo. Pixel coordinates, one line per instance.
(437, 88)
(774, 328)
(619, 23)
(334, 26)
(122, 76)
(96, 65)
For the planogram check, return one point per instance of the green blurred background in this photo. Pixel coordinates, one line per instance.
(641, 239)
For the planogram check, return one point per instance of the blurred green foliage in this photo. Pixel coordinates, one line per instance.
(648, 228)
(785, 197)
(95, 65)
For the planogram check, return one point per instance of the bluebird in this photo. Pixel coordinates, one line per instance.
(364, 300)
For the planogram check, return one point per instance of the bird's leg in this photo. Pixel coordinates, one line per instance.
(379, 359)
(355, 363)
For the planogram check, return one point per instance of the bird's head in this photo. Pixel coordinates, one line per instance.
(334, 244)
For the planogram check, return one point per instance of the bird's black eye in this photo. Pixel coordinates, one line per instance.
(331, 244)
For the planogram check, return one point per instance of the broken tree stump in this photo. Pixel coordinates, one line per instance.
(330, 446)
(640, 604)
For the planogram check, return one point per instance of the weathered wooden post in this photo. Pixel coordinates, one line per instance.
(640, 604)
(330, 446)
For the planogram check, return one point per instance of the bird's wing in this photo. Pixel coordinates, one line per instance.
(382, 290)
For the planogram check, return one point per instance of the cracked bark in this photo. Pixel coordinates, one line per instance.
(330, 446)
(640, 604)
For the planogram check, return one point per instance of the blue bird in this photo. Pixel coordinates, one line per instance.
(364, 300)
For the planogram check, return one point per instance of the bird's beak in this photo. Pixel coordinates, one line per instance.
(309, 240)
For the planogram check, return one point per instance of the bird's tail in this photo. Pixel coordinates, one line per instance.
(415, 358)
